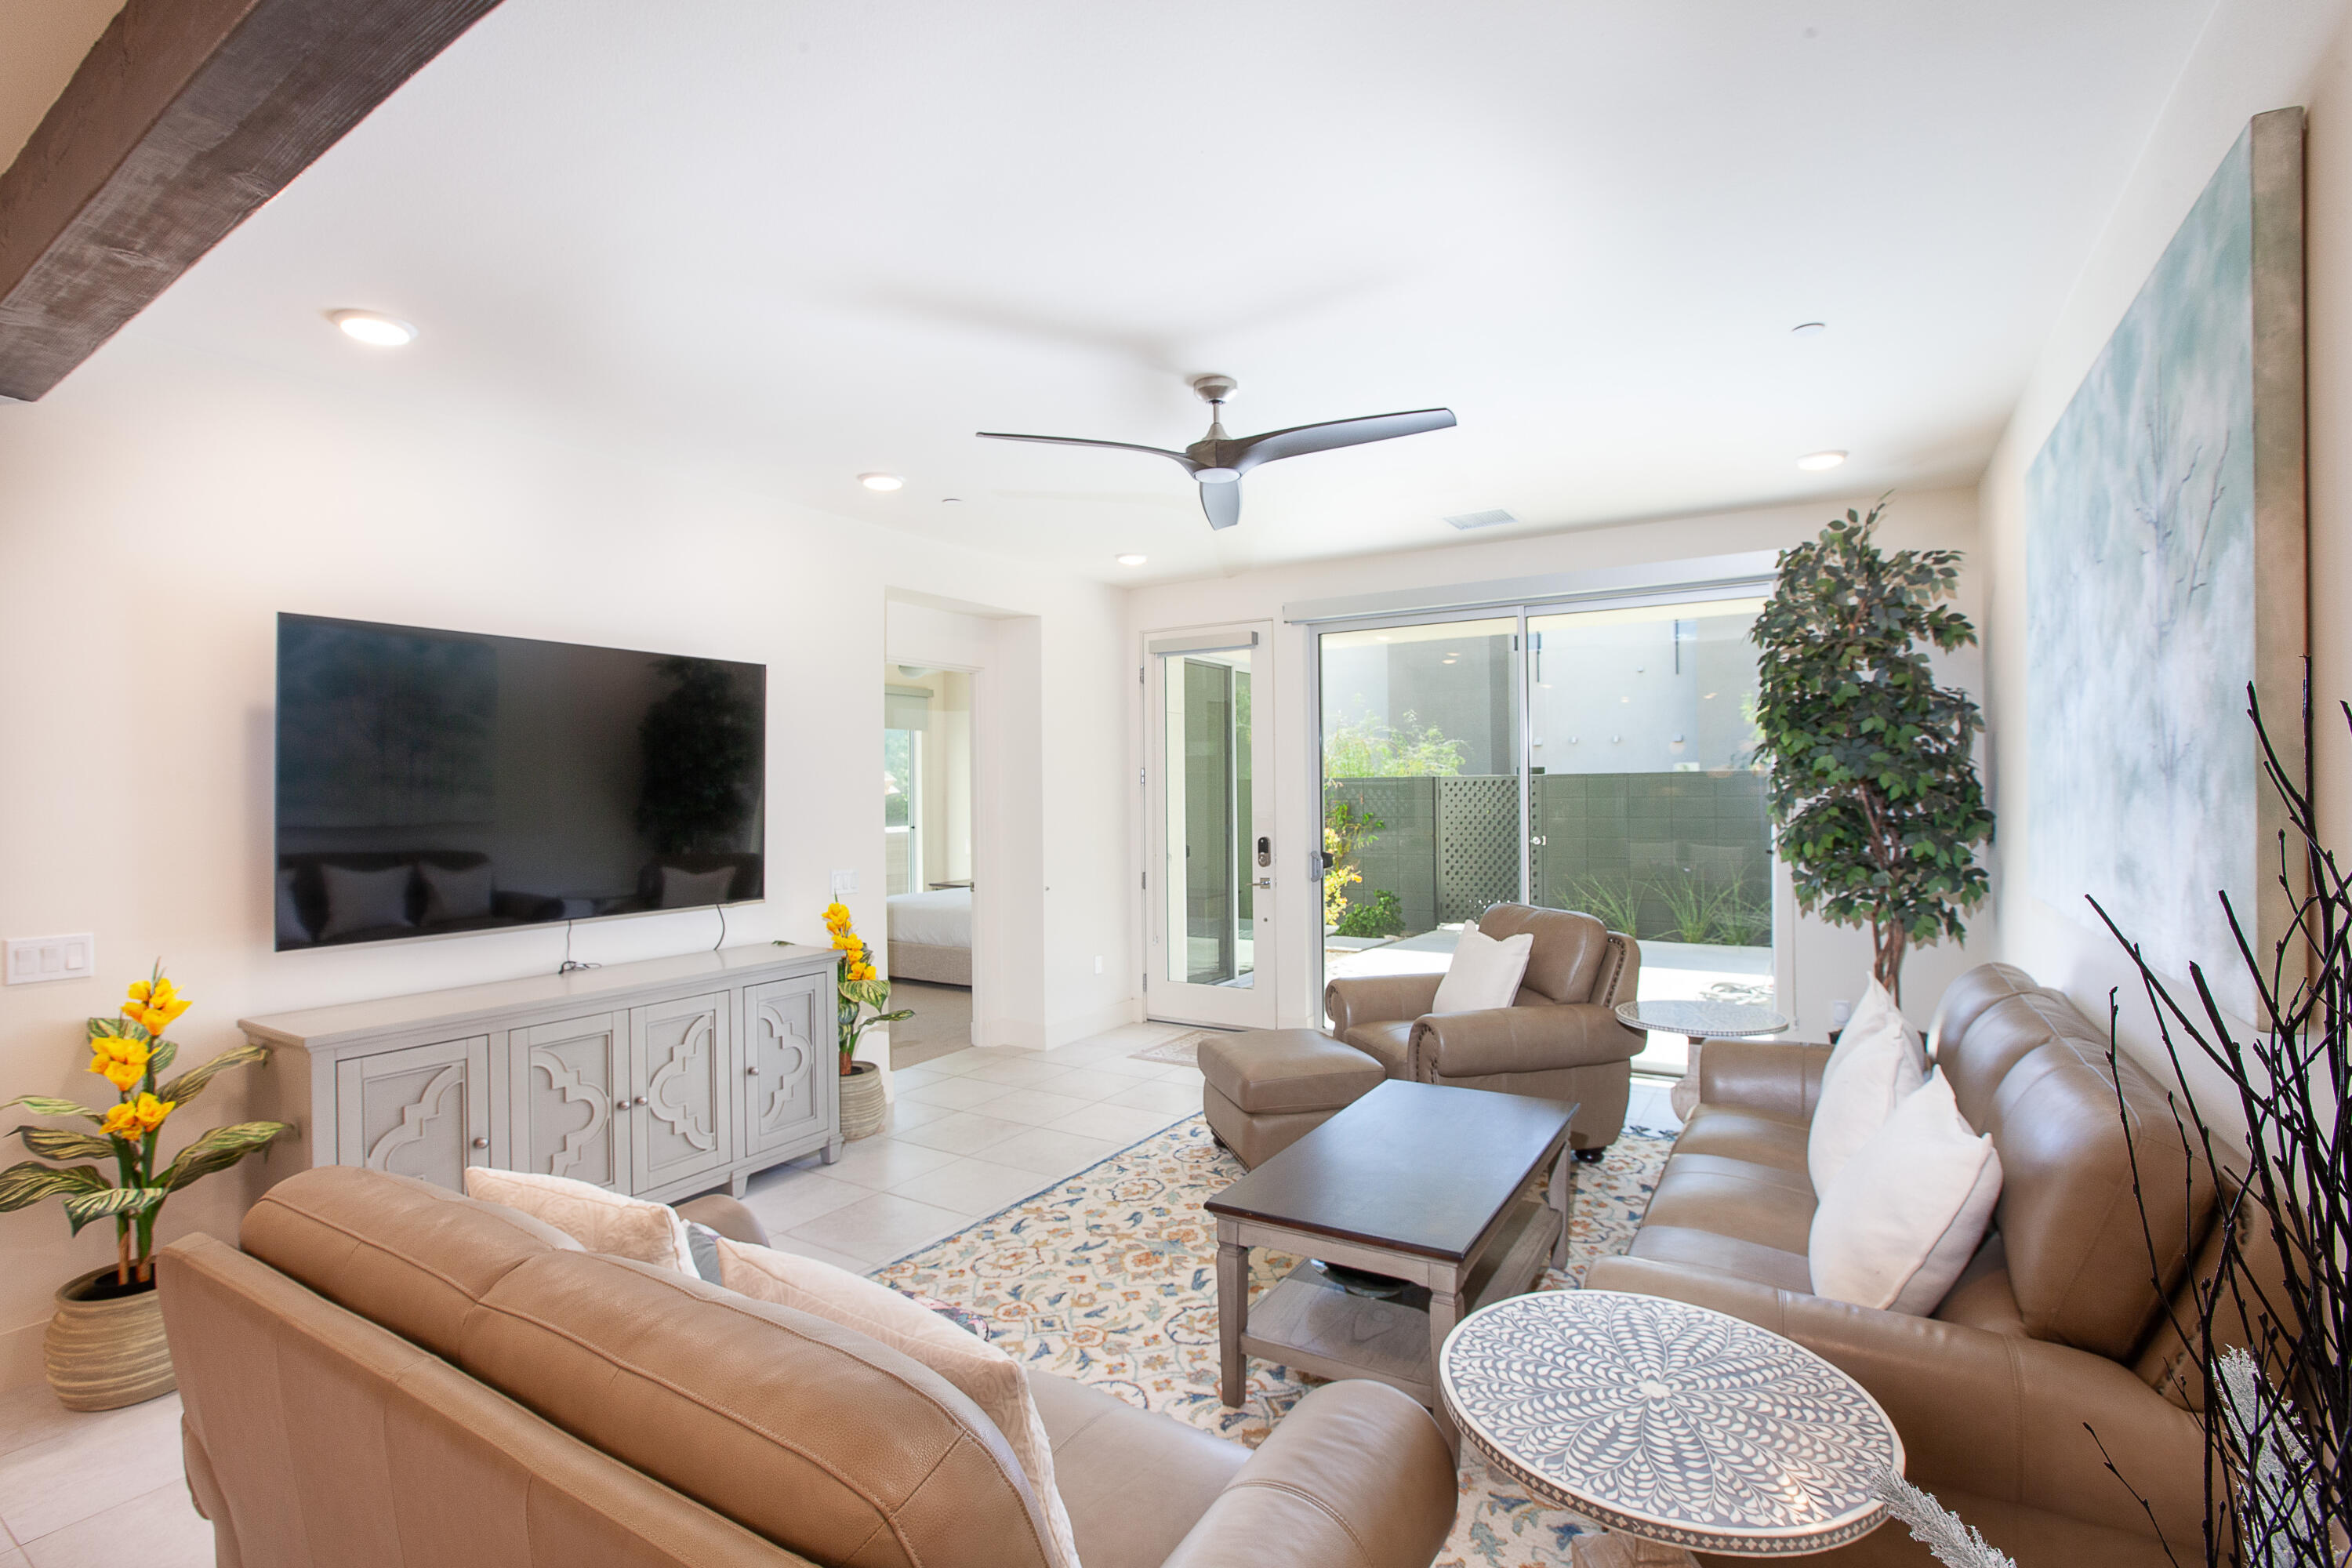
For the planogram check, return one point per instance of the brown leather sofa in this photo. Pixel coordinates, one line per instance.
(1559, 1040)
(2055, 1340)
(388, 1374)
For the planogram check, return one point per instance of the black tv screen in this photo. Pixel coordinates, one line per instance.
(433, 782)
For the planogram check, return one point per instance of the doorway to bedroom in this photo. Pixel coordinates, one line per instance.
(926, 837)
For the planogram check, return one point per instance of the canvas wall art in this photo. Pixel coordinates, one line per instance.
(2165, 535)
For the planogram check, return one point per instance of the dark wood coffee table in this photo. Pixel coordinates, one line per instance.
(1421, 1184)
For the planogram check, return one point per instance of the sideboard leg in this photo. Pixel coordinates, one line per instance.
(739, 1183)
(833, 1151)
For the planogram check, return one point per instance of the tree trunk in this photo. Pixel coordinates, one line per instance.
(1888, 941)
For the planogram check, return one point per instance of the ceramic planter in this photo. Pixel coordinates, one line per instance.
(863, 1105)
(105, 1352)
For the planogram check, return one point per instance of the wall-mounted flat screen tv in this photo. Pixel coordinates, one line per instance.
(433, 782)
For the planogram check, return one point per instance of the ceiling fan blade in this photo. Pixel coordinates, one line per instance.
(1188, 465)
(1222, 502)
(1301, 439)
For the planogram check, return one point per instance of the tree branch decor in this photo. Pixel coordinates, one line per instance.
(1874, 787)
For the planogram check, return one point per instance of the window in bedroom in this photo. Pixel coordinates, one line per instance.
(906, 716)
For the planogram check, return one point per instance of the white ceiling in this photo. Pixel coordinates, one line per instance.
(797, 243)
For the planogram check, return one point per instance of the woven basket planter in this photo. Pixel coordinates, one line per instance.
(103, 1353)
(863, 1103)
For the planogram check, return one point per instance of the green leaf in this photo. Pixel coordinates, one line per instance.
(161, 1056)
(112, 1202)
(27, 1184)
(217, 1151)
(106, 1029)
(191, 1083)
(49, 1105)
(55, 1144)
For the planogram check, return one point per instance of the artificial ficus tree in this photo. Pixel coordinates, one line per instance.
(1873, 779)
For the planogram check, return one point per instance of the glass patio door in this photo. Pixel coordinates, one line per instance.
(1422, 813)
(1209, 882)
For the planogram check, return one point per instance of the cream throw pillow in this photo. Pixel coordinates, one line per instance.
(1485, 972)
(984, 1374)
(599, 1220)
(1909, 1209)
(1876, 1065)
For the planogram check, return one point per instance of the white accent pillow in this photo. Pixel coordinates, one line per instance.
(599, 1220)
(363, 900)
(1909, 1209)
(1485, 972)
(1875, 1067)
(682, 890)
(982, 1373)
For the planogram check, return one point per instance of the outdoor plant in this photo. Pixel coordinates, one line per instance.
(1383, 916)
(1874, 778)
(1617, 905)
(1367, 748)
(1697, 907)
(861, 992)
(131, 1053)
(1345, 829)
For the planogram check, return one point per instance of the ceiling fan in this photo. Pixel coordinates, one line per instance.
(1218, 461)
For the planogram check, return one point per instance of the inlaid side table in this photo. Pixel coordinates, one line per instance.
(1700, 1022)
(1672, 1427)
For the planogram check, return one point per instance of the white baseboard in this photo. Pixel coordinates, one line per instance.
(1029, 1034)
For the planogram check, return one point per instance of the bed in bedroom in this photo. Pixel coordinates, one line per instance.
(930, 936)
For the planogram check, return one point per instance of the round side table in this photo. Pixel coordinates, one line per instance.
(1701, 1022)
(1671, 1425)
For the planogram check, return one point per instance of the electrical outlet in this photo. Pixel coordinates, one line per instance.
(845, 884)
(32, 959)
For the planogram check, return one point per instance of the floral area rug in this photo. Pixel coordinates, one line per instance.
(1110, 1278)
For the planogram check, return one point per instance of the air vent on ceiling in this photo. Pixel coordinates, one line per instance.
(1470, 520)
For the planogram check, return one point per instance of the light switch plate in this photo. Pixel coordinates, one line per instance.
(32, 959)
(845, 884)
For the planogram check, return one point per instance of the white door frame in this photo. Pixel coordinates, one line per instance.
(1256, 1006)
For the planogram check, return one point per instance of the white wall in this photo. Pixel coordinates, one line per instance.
(1820, 964)
(159, 509)
(2255, 55)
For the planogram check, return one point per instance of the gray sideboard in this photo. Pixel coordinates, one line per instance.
(660, 1078)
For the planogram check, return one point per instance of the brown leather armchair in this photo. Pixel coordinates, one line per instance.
(1559, 1040)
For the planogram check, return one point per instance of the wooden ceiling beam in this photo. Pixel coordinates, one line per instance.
(184, 117)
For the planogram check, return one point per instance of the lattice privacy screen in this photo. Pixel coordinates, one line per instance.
(1478, 844)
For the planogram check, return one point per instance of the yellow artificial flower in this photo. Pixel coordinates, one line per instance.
(861, 972)
(846, 942)
(123, 1062)
(157, 1005)
(135, 1118)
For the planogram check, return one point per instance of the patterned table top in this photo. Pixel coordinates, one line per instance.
(1702, 1020)
(1669, 1421)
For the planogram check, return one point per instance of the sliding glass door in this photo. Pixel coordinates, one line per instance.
(1595, 758)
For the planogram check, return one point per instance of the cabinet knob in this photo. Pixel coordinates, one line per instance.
(481, 1143)
(751, 1071)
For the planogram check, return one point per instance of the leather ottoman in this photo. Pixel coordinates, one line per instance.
(1263, 1089)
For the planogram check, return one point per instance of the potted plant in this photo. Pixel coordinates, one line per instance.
(862, 995)
(105, 1346)
(1875, 788)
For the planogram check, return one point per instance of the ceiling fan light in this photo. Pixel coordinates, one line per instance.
(1218, 476)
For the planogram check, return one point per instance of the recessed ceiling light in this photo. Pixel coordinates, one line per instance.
(1131, 559)
(374, 328)
(1810, 328)
(1813, 462)
(880, 481)
(951, 500)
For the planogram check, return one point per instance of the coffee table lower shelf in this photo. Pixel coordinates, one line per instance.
(1308, 1323)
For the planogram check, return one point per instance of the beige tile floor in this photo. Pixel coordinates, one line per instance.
(969, 1133)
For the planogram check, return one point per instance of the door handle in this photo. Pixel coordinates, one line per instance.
(1265, 881)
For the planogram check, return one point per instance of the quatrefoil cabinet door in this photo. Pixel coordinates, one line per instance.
(422, 1112)
(568, 1082)
(681, 1059)
(787, 1101)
